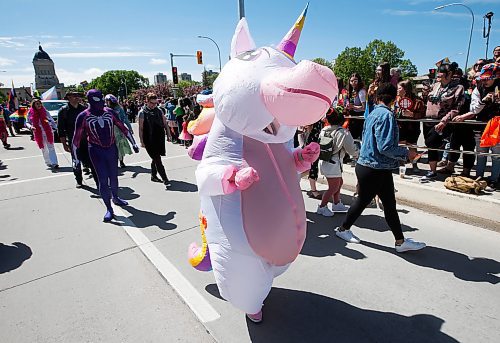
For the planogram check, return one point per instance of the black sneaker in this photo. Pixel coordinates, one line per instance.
(6, 146)
(55, 166)
(167, 182)
(122, 165)
(79, 185)
(155, 179)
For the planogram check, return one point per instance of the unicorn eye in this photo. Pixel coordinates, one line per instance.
(250, 55)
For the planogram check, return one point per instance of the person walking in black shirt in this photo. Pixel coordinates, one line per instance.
(66, 119)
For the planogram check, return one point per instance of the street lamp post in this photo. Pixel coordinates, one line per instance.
(220, 65)
(471, 28)
(241, 8)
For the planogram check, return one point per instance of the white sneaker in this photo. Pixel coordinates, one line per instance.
(324, 211)
(410, 245)
(340, 207)
(347, 236)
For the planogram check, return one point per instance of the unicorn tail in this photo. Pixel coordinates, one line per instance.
(199, 257)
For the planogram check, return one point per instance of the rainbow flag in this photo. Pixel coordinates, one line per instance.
(20, 115)
(13, 103)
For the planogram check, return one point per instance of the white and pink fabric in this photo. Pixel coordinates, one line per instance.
(247, 178)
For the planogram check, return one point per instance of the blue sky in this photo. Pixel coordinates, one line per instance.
(87, 38)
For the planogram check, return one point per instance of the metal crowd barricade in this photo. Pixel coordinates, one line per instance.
(427, 120)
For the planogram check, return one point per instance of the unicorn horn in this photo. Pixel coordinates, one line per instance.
(289, 43)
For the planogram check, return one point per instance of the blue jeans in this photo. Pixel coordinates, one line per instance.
(481, 161)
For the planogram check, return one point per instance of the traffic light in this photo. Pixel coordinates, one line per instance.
(175, 78)
(199, 57)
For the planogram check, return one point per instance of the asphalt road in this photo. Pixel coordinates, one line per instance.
(67, 277)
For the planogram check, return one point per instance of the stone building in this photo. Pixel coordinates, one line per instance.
(45, 73)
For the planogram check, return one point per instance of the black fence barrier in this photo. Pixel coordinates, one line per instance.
(427, 120)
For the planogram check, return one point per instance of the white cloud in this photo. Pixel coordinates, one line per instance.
(104, 54)
(6, 62)
(442, 12)
(157, 61)
(9, 42)
(75, 77)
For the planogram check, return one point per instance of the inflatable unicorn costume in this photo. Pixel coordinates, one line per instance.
(247, 178)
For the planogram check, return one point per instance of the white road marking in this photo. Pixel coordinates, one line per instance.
(196, 302)
(71, 174)
(26, 157)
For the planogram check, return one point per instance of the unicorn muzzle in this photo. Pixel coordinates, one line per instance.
(300, 95)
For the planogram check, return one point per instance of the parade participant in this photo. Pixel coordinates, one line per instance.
(120, 139)
(42, 126)
(3, 129)
(152, 127)
(66, 119)
(331, 165)
(379, 155)
(96, 124)
(247, 179)
(172, 121)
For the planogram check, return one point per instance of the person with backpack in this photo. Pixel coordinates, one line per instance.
(379, 156)
(335, 142)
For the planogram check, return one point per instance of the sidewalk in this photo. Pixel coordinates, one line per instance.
(480, 210)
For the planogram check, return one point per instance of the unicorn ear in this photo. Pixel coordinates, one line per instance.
(242, 40)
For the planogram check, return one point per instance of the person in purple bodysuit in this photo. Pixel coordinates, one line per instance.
(97, 123)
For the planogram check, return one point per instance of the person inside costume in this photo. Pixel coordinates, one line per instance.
(42, 126)
(97, 124)
(247, 178)
(120, 140)
(152, 127)
(66, 119)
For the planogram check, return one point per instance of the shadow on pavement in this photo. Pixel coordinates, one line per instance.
(135, 170)
(378, 223)
(298, 316)
(13, 256)
(182, 186)
(143, 219)
(475, 269)
(321, 240)
(16, 148)
(63, 170)
(125, 193)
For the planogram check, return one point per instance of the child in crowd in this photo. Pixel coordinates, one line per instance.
(332, 169)
(185, 136)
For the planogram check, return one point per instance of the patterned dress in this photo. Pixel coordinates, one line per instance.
(314, 137)
(120, 140)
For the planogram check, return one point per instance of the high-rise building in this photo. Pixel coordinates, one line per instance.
(186, 77)
(45, 73)
(160, 78)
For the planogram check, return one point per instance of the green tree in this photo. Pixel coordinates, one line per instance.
(323, 62)
(349, 61)
(208, 78)
(115, 81)
(364, 61)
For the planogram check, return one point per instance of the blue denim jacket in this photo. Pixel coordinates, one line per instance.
(380, 149)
